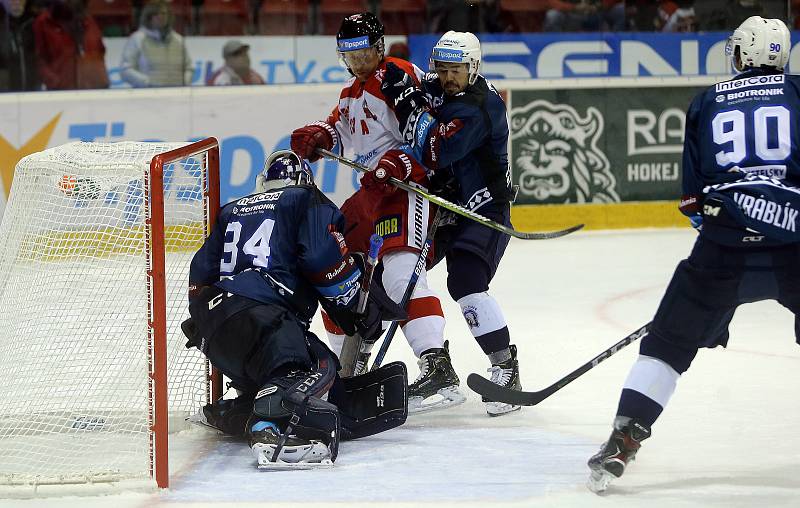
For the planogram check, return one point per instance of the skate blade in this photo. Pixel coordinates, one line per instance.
(500, 408)
(599, 480)
(312, 456)
(299, 466)
(443, 399)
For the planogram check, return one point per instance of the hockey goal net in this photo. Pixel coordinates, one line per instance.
(95, 246)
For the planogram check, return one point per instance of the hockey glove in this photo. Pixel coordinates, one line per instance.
(308, 138)
(369, 324)
(380, 308)
(690, 207)
(393, 164)
(407, 99)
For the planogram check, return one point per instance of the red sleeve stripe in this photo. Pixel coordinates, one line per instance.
(330, 326)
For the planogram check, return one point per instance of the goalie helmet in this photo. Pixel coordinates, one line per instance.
(282, 168)
(759, 42)
(359, 31)
(458, 47)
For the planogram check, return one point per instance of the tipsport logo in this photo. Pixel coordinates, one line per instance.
(354, 44)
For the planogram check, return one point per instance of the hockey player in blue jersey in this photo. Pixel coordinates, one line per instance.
(254, 287)
(740, 172)
(457, 126)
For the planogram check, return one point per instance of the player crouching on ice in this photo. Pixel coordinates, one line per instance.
(254, 287)
(740, 178)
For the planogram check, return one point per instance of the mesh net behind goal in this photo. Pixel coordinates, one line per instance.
(75, 299)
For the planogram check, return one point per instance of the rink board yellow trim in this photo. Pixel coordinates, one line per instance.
(637, 214)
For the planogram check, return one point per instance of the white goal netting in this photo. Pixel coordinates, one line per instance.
(74, 301)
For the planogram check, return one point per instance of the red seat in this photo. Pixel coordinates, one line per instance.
(181, 16)
(332, 12)
(223, 17)
(403, 17)
(115, 17)
(283, 17)
(524, 15)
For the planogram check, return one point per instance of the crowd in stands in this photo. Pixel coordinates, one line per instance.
(58, 44)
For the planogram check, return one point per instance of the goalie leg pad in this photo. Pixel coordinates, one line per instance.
(373, 402)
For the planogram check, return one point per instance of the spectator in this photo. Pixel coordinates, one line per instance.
(17, 48)
(614, 15)
(459, 15)
(155, 55)
(236, 70)
(728, 16)
(642, 15)
(571, 16)
(69, 47)
(399, 50)
(682, 20)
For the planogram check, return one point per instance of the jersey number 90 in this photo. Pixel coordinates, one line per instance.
(769, 129)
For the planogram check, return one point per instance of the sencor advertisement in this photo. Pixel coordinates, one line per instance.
(548, 56)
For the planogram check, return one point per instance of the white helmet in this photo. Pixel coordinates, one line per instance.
(758, 42)
(458, 47)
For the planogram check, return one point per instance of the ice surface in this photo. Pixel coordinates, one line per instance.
(728, 438)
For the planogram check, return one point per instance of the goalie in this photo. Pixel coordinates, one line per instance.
(254, 287)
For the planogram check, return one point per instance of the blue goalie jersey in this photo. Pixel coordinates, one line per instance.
(280, 247)
(744, 126)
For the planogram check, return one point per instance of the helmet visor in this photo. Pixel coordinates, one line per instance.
(360, 57)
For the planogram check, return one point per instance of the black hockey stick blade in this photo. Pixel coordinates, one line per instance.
(491, 391)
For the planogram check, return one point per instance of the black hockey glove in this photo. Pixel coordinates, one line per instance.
(379, 308)
(405, 97)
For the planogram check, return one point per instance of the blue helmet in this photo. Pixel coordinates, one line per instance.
(282, 168)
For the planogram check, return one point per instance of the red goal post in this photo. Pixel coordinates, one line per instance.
(156, 277)
(95, 246)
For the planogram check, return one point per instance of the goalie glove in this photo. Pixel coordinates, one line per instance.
(407, 99)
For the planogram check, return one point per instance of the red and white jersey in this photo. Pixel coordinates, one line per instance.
(366, 125)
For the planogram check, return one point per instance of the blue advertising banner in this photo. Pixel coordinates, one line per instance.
(579, 55)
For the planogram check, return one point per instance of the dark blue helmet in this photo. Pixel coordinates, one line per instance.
(282, 168)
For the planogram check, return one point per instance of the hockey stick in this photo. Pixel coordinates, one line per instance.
(494, 392)
(353, 343)
(412, 283)
(460, 210)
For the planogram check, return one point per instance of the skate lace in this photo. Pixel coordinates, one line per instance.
(424, 368)
(499, 375)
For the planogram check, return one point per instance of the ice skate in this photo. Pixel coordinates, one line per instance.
(436, 387)
(294, 453)
(505, 374)
(610, 462)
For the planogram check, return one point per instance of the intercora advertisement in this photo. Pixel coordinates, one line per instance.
(598, 145)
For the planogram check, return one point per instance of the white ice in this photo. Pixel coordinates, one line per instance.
(728, 438)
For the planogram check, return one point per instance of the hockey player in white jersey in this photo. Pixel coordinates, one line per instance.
(364, 126)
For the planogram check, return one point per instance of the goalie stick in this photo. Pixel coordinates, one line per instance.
(486, 388)
(460, 210)
(353, 343)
